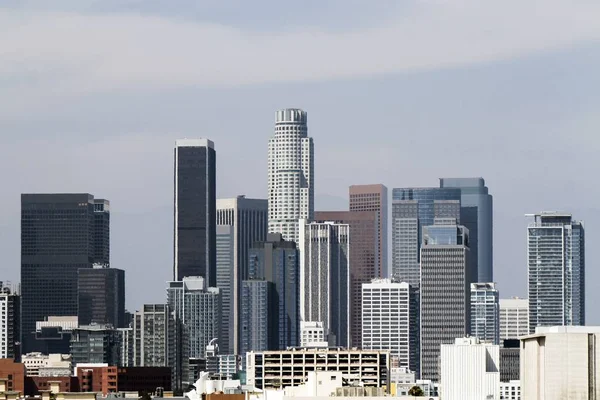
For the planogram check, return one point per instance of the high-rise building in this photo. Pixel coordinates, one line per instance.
(151, 336)
(470, 370)
(413, 209)
(95, 344)
(126, 342)
(514, 318)
(325, 278)
(101, 296)
(556, 270)
(390, 321)
(60, 234)
(195, 210)
(277, 261)
(364, 248)
(374, 198)
(10, 322)
(510, 353)
(225, 262)
(249, 220)
(446, 277)
(485, 312)
(259, 331)
(290, 173)
(477, 215)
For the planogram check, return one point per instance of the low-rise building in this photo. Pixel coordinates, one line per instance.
(14, 375)
(49, 365)
(510, 390)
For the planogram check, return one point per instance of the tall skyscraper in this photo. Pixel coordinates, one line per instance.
(364, 248)
(277, 261)
(290, 173)
(390, 314)
(477, 215)
(374, 198)
(195, 210)
(259, 330)
(60, 234)
(413, 209)
(485, 313)
(514, 318)
(556, 270)
(10, 322)
(101, 296)
(325, 278)
(446, 276)
(225, 262)
(249, 221)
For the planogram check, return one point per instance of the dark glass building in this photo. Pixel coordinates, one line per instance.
(195, 210)
(101, 297)
(95, 344)
(60, 234)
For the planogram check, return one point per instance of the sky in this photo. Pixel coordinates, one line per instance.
(93, 95)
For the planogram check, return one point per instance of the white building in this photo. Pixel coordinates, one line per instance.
(510, 390)
(514, 318)
(325, 278)
(485, 315)
(290, 174)
(390, 321)
(10, 323)
(38, 364)
(470, 370)
(312, 334)
(561, 363)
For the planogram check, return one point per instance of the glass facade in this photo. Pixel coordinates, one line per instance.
(101, 296)
(485, 312)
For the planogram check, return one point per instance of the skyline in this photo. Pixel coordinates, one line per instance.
(533, 109)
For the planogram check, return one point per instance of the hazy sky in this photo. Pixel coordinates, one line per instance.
(93, 95)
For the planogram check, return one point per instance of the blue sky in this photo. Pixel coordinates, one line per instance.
(94, 93)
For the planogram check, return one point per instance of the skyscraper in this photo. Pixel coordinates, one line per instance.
(446, 277)
(60, 234)
(249, 220)
(325, 278)
(364, 248)
(514, 318)
(10, 322)
(195, 210)
(225, 262)
(556, 270)
(390, 321)
(413, 209)
(101, 296)
(290, 173)
(374, 198)
(477, 215)
(485, 315)
(259, 330)
(277, 261)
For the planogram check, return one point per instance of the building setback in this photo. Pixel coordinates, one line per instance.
(10, 323)
(325, 278)
(374, 198)
(514, 318)
(101, 296)
(249, 221)
(485, 316)
(290, 183)
(364, 248)
(195, 210)
(446, 276)
(60, 234)
(556, 270)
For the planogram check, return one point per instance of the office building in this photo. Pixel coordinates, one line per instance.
(556, 270)
(510, 390)
(476, 213)
(195, 210)
(126, 341)
(312, 334)
(290, 184)
(510, 360)
(151, 336)
(470, 370)
(561, 363)
(514, 318)
(364, 264)
(325, 278)
(277, 261)
(374, 198)
(413, 209)
(95, 344)
(446, 277)
(53, 336)
(485, 312)
(390, 321)
(10, 323)
(225, 262)
(47, 365)
(259, 331)
(101, 296)
(285, 368)
(249, 221)
(60, 234)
